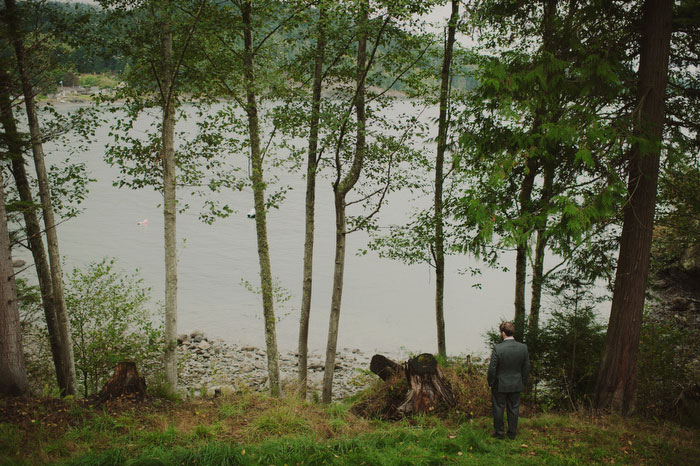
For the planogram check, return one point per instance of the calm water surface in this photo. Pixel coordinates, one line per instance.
(387, 306)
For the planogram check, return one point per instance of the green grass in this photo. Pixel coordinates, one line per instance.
(390, 446)
(254, 429)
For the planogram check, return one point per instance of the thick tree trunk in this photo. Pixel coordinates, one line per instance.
(439, 181)
(340, 190)
(169, 203)
(46, 202)
(259, 199)
(616, 377)
(311, 167)
(13, 375)
(33, 228)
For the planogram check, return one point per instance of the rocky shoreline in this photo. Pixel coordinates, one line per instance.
(210, 367)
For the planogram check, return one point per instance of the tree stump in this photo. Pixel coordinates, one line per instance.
(124, 382)
(427, 386)
(384, 367)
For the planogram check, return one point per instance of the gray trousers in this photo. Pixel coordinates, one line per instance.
(509, 402)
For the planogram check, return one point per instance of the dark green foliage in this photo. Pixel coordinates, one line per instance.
(677, 227)
(668, 377)
(570, 347)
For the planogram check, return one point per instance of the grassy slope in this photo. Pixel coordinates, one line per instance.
(253, 429)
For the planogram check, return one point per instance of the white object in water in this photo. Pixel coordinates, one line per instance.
(143, 222)
(251, 214)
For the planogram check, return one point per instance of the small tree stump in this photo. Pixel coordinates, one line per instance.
(427, 386)
(124, 382)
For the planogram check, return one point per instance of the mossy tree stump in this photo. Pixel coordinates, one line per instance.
(427, 386)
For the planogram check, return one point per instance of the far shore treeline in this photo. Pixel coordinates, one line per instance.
(566, 133)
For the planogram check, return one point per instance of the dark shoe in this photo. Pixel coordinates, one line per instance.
(511, 436)
(495, 435)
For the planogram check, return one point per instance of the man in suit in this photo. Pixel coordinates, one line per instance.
(507, 376)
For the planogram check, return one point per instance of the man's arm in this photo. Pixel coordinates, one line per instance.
(526, 368)
(493, 365)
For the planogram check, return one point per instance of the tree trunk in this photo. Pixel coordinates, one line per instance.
(311, 167)
(169, 203)
(531, 168)
(519, 302)
(439, 181)
(46, 202)
(538, 267)
(259, 199)
(32, 225)
(338, 271)
(13, 375)
(340, 190)
(616, 377)
(525, 199)
(533, 321)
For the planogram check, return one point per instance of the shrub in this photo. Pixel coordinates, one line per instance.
(668, 372)
(103, 81)
(110, 323)
(570, 346)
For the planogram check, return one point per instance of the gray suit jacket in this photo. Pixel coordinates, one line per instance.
(510, 367)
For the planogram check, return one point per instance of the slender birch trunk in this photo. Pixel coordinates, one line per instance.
(439, 181)
(311, 167)
(168, 103)
(340, 191)
(46, 202)
(32, 226)
(259, 199)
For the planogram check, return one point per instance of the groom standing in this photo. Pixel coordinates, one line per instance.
(507, 376)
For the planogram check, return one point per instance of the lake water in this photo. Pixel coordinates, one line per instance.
(387, 306)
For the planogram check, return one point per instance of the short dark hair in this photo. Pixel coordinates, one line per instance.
(508, 328)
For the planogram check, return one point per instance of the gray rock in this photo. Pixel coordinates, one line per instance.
(204, 345)
(223, 365)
